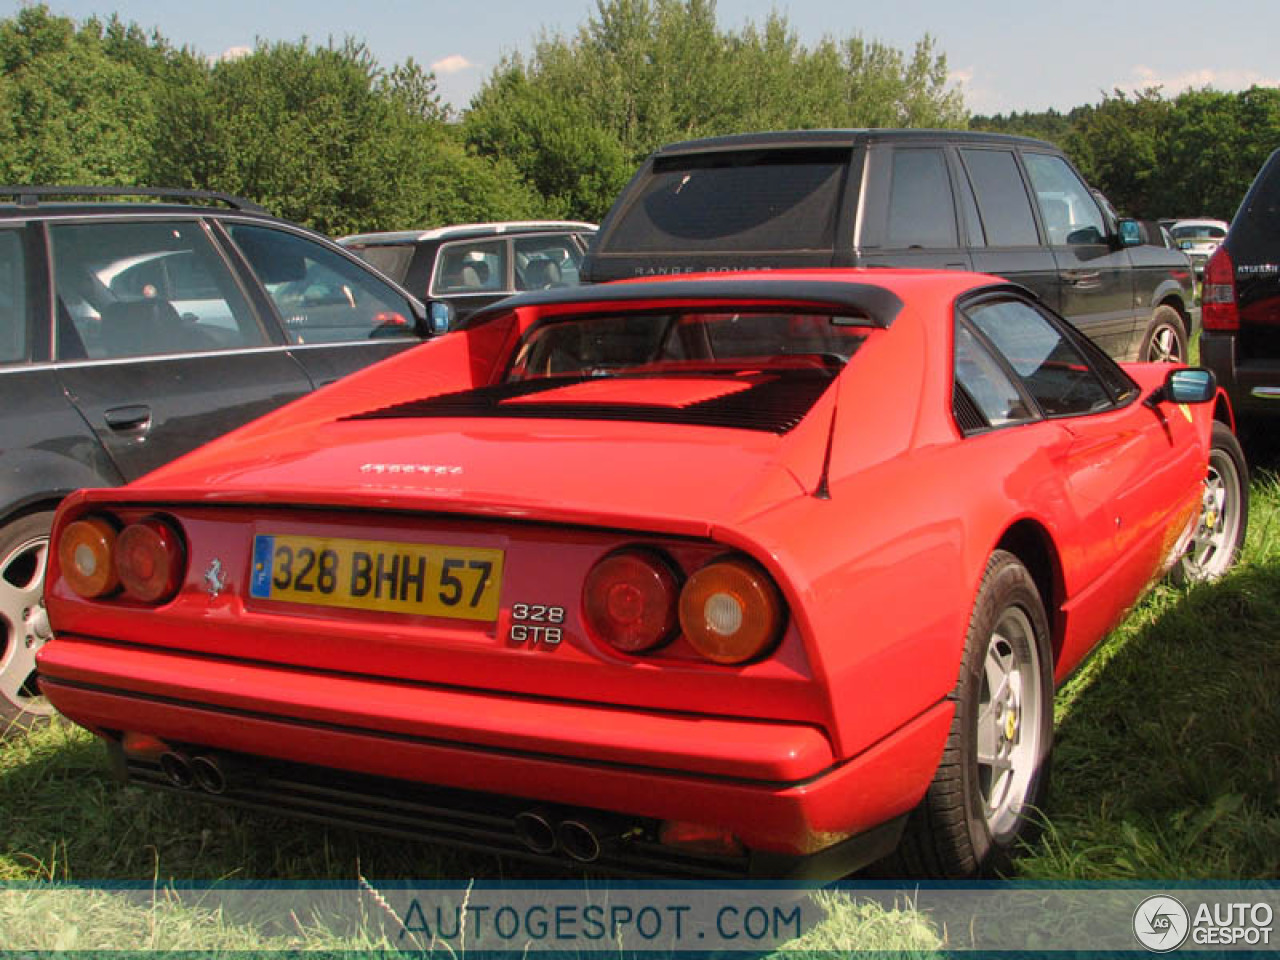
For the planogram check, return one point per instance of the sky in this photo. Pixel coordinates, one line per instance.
(1004, 56)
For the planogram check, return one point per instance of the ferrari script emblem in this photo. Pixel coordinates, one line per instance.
(215, 580)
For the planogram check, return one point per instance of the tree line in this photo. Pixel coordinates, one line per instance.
(1192, 155)
(325, 135)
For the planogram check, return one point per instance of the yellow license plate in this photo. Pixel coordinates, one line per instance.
(424, 579)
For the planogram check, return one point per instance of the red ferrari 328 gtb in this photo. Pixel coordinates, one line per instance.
(767, 574)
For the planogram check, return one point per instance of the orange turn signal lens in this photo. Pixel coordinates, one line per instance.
(151, 560)
(86, 555)
(730, 611)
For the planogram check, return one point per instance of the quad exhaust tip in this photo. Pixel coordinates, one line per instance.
(177, 769)
(206, 771)
(580, 840)
(577, 837)
(535, 831)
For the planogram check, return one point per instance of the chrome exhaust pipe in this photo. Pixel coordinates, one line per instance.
(208, 774)
(580, 839)
(535, 831)
(177, 769)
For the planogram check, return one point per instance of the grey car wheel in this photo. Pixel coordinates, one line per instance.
(1224, 513)
(24, 625)
(1166, 339)
(995, 767)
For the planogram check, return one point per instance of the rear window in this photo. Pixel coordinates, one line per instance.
(1199, 232)
(389, 258)
(772, 200)
(687, 342)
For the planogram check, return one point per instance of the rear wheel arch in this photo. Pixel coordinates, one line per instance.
(1032, 544)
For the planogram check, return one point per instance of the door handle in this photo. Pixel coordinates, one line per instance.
(133, 417)
(1081, 278)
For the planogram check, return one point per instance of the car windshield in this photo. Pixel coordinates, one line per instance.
(664, 343)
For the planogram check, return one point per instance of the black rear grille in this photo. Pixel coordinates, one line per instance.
(418, 812)
(774, 403)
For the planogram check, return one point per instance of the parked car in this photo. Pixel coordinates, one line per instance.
(132, 332)
(470, 266)
(1241, 341)
(997, 204)
(716, 575)
(1199, 238)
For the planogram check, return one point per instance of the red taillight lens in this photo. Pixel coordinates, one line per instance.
(629, 600)
(1218, 307)
(150, 559)
(730, 611)
(85, 554)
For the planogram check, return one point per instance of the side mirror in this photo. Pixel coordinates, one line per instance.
(1185, 385)
(441, 316)
(1130, 233)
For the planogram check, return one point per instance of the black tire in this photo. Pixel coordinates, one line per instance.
(1224, 514)
(1166, 338)
(974, 815)
(23, 625)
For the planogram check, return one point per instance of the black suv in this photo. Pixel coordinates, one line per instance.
(1009, 206)
(1241, 340)
(466, 267)
(132, 332)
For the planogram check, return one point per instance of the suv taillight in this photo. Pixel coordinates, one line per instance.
(1219, 310)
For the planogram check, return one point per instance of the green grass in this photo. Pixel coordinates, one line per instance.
(1167, 761)
(1167, 767)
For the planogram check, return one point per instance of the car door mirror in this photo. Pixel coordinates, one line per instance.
(1186, 385)
(440, 317)
(1130, 233)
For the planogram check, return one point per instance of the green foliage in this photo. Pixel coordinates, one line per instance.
(1116, 145)
(78, 105)
(1194, 155)
(581, 112)
(320, 135)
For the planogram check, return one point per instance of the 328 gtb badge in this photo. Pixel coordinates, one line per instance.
(535, 623)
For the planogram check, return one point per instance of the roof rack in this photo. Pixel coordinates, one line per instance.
(30, 196)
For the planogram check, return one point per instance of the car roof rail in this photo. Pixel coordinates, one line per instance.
(28, 196)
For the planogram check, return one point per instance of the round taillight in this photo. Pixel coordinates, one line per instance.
(85, 553)
(730, 611)
(629, 600)
(150, 560)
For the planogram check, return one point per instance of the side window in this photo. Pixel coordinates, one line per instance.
(393, 259)
(1002, 198)
(982, 382)
(1052, 368)
(13, 298)
(543, 262)
(470, 267)
(1066, 206)
(144, 289)
(921, 211)
(321, 296)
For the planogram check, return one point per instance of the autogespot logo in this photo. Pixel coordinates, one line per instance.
(1161, 923)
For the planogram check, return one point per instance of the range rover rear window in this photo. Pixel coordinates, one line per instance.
(736, 202)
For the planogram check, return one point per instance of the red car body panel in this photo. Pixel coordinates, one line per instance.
(874, 517)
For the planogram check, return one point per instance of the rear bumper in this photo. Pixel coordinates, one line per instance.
(775, 786)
